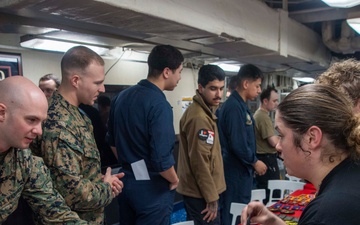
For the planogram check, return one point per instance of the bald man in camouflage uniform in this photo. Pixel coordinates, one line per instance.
(68, 145)
(22, 109)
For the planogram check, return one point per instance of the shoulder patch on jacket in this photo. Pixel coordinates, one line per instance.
(203, 134)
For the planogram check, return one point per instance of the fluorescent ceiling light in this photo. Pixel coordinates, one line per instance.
(354, 24)
(41, 43)
(304, 79)
(227, 67)
(342, 3)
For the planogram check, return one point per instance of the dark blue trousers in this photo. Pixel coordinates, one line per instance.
(193, 207)
(146, 202)
(239, 183)
(272, 173)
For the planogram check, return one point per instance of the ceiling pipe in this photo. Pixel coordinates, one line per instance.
(348, 43)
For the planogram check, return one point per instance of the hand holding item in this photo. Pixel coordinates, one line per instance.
(258, 213)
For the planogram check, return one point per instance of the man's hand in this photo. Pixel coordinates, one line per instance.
(171, 176)
(211, 211)
(260, 167)
(116, 184)
(174, 185)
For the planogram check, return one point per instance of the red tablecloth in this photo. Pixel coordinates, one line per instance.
(296, 202)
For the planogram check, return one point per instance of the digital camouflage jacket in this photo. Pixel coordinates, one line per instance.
(69, 150)
(22, 174)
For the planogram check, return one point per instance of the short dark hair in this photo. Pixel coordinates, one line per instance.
(249, 72)
(162, 56)
(233, 82)
(209, 73)
(79, 58)
(50, 76)
(265, 94)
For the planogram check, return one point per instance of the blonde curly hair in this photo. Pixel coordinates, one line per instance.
(344, 76)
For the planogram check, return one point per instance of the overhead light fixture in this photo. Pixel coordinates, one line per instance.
(354, 23)
(228, 67)
(50, 44)
(304, 79)
(342, 3)
(353, 20)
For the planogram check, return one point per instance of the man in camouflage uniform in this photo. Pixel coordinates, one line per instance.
(22, 109)
(68, 145)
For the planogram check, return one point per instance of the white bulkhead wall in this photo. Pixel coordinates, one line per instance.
(38, 63)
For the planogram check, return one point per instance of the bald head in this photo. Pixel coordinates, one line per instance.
(23, 107)
(18, 90)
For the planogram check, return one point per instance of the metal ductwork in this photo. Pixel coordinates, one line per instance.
(348, 43)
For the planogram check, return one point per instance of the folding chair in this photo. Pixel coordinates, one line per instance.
(285, 187)
(292, 178)
(235, 210)
(258, 195)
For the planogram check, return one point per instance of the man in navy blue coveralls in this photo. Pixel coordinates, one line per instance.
(141, 128)
(237, 137)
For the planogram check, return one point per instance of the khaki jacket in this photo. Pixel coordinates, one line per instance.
(200, 166)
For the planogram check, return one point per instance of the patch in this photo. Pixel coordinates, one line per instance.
(203, 134)
(210, 139)
(248, 119)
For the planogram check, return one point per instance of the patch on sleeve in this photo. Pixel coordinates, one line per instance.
(248, 119)
(207, 135)
(203, 134)
(210, 139)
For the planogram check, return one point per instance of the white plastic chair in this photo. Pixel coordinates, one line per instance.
(190, 222)
(258, 195)
(285, 187)
(235, 211)
(292, 178)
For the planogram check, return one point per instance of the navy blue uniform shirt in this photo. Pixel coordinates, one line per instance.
(237, 135)
(141, 127)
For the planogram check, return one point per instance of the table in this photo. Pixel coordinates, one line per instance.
(290, 208)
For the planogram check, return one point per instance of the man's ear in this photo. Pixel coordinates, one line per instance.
(74, 80)
(314, 136)
(244, 84)
(200, 88)
(265, 101)
(3, 109)
(166, 72)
